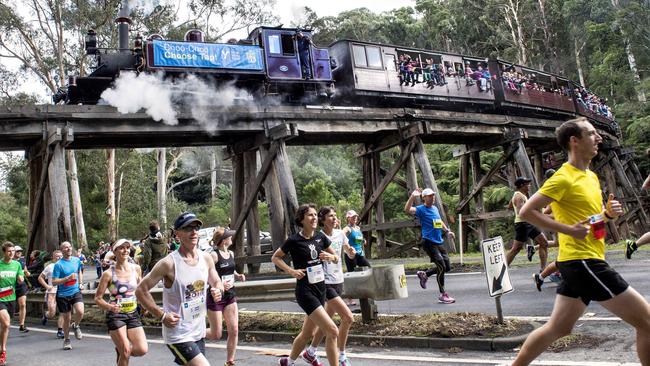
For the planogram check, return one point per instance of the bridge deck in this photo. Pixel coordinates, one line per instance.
(104, 126)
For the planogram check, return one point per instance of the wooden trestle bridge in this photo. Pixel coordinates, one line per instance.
(249, 134)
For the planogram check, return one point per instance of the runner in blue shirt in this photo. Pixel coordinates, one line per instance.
(432, 240)
(68, 277)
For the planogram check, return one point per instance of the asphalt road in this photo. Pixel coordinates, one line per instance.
(471, 293)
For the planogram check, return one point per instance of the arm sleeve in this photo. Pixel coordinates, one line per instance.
(326, 242)
(56, 272)
(287, 246)
(555, 187)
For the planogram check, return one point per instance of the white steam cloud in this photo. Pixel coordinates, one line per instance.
(160, 98)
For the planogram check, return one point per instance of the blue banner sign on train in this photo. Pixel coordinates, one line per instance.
(207, 55)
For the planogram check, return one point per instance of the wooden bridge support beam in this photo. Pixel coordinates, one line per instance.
(287, 186)
(253, 218)
(274, 199)
(463, 191)
(379, 205)
(479, 208)
(238, 196)
(49, 205)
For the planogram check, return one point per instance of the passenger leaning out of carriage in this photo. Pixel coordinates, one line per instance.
(468, 75)
(304, 43)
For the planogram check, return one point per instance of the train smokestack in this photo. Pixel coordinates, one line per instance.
(123, 21)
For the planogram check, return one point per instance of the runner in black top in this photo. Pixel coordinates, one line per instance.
(308, 248)
(226, 308)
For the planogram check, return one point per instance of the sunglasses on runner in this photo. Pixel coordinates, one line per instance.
(189, 229)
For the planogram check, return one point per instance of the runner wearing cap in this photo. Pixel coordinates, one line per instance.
(226, 308)
(122, 318)
(355, 237)
(45, 279)
(631, 246)
(69, 279)
(21, 289)
(11, 274)
(186, 274)
(524, 230)
(432, 240)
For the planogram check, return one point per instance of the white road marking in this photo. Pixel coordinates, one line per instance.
(373, 356)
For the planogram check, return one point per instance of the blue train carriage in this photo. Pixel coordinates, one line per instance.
(386, 74)
(520, 89)
(295, 66)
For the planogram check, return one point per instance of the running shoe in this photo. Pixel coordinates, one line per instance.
(44, 320)
(444, 298)
(423, 279)
(23, 328)
(77, 331)
(530, 251)
(229, 363)
(59, 334)
(67, 345)
(538, 281)
(630, 247)
(284, 361)
(311, 359)
(3, 358)
(345, 362)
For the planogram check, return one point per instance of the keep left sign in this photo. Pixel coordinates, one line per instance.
(496, 269)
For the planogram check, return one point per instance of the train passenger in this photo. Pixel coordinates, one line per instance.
(309, 249)
(304, 48)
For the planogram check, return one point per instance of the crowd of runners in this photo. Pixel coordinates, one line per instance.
(197, 284)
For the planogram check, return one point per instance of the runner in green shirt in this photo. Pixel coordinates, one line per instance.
(10, 273)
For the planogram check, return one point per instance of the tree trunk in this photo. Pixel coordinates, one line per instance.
(576, 52)
(110, 187)
(640, 93)
(554, 65)
(162, 186)
(76, 200)
(119, 201)
(213, 174)
(516, 30)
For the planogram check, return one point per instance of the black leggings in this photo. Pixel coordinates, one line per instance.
(438, 255)
(358, 260)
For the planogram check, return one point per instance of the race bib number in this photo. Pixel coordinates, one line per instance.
(6, 291)
(315, 274)
(230, 279)
(71, 282)
(437, 224)
(127, 304)
(194, 309)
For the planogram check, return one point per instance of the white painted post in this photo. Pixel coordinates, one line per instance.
(460, 236)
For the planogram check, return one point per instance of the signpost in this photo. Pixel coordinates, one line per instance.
(496, 271)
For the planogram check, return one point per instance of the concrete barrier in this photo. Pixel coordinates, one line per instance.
(377, 283)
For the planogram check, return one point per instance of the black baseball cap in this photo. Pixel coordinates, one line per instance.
(521, 181)
(185, 219)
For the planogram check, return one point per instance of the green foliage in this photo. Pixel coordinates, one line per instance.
(13, 225)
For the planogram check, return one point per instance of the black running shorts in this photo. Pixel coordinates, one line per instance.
(21, 289)
(115, 321)
(524, 230)
(186, 351)
(9, 306)
(590, 279)
(333, 290)
(64, 303)
(310, 296)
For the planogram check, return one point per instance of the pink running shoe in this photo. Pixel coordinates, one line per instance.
(284, 361)
(311, 359)
(423, 279)
(444, 298)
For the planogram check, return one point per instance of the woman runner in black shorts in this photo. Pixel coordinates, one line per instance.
(226, 308)
(308, 249)
(333, 287)
(122, 318)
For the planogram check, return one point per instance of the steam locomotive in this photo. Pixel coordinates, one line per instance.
(269, 62)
